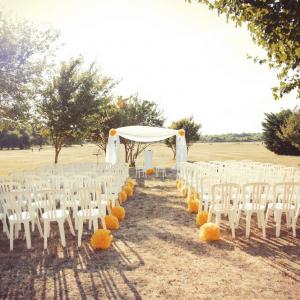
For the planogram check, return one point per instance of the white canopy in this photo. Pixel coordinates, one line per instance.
(144, 134)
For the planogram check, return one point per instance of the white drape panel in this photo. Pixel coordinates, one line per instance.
(113, 149)
(181, 149)
(144, 134)
(148, 159)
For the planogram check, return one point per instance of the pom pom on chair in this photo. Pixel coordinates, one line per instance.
(150, 171)
(183, 191)
(128, 190)
(178, 184)
(209, 232)
(101, 239)
(201, 218)
(193, 206)
(118, 212)
(112, 222)
(130, 182)
(122, 196)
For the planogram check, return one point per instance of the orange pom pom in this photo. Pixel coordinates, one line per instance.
(112, 222)
(118, 212)
(131, 184)
(209, 232)
(150, 171)
(183, 191)
(123, 196)
(112, 132)
(128, 190)
(101, 239)
(201, 218)
(181, 132)
(179, 185)
(193, 206)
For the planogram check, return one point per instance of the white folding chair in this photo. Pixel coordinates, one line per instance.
(54, 210)
(285, 200)
(254, 199)
(225, 201)
(17, 206)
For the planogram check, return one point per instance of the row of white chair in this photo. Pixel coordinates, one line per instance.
(58, 198)
(263, 197)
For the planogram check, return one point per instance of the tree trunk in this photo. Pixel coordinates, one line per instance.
(57, 151)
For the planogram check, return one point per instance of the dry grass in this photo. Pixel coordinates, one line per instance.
(156, 254)
(16, 160)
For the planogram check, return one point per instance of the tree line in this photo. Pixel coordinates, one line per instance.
(232, 138)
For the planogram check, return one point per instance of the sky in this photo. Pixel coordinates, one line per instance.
(182, 56)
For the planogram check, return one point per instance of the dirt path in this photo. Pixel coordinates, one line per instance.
(156, 255)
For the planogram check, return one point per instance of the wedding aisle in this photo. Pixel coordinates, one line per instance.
(156, 254)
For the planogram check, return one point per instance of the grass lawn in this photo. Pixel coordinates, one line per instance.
(17, 160)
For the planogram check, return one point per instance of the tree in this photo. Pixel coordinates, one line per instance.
(272, 133)
(69, 99)
(275, 26)
(191, 129)
(25, 53)
(291, 129)
(135, 111)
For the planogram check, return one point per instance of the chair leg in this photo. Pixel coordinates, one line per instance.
(231, 218)
(263, 223)
(27, 234)
(277, 216)
(95, 224)
(80, 229)
(267, 215)
(11, 236)
(46, 233)
(248, 223)
(39, 226)
(62, 232)
(294, 221)
(237, 222)
(103, 223)
(70, 225)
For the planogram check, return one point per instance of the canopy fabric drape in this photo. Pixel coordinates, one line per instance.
(144, 134)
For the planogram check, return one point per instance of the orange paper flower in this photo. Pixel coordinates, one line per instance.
(210, 232)
(112, 132)
(111, 222)
(181, 132)
(193, 206)
(150, 171)
(118, 212)
(101, 239)
(128, 190)
(201, 218)
(123, 196)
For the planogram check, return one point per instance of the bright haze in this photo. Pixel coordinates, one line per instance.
(183, 56)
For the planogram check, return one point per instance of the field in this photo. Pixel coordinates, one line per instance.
(156, 253)
(17, 160)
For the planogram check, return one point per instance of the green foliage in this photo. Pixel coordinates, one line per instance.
(11, 139)
(68, 101)
(191, 129)
(232, 138)
(135, 112)
(275, 26)
(272, 133)
(291, 129)
(25, 52)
